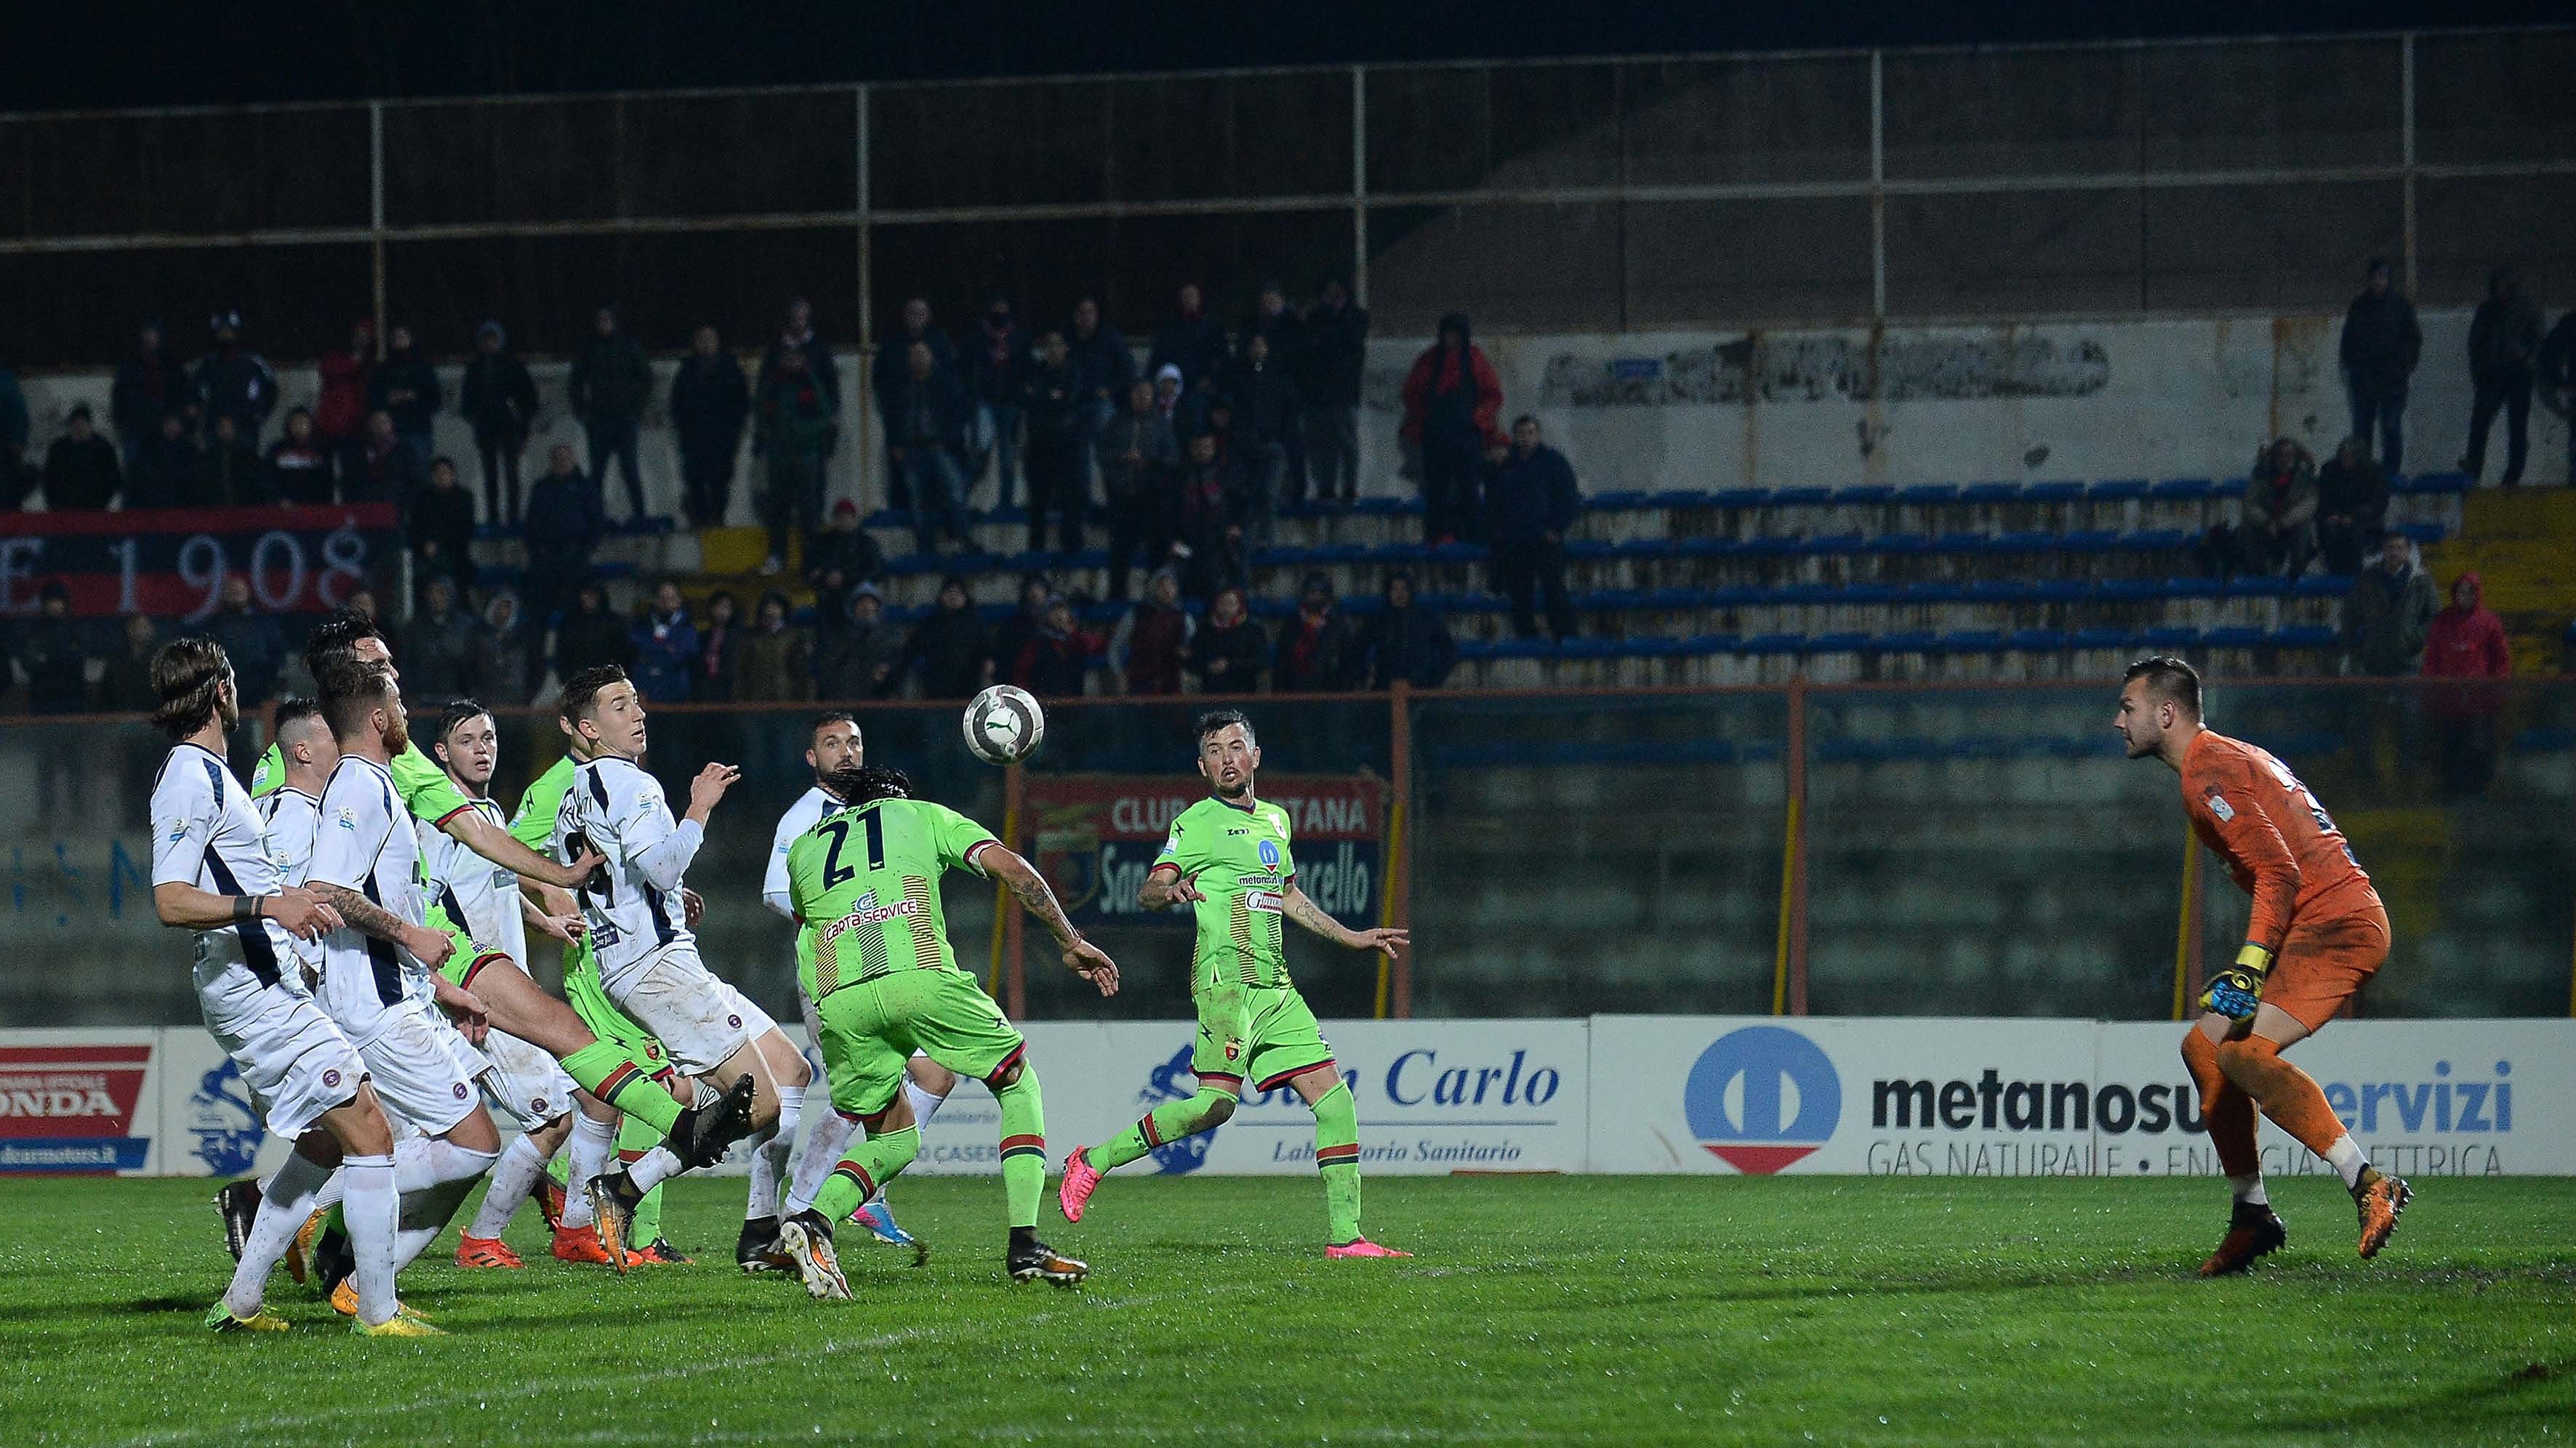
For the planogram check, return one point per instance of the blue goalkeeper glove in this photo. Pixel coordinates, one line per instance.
(2237, 990)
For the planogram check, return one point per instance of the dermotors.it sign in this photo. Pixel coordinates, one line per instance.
(71, 1108)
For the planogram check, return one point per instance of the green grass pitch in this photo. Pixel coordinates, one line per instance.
(1757, 1311)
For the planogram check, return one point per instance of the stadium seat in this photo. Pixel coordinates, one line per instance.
(1865, 495)
(2180, 490)
(2232, 636)
(2303, 636)
(1927, 495)
(1679, 498)
(2057, 491)
(2116, 490)
(1741, 497)
(1990, 494)
(1801, 497)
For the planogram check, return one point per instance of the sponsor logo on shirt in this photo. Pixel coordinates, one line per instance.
(1268, 902)
(2218, 806)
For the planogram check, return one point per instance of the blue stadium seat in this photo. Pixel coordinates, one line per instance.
(1740, 497)
(1615, 502)
(1829, 544)
(1705, 548)
(2056, 491)
(2321, 585)
(1864, 495)
(2170, 636)
(1711, 643)
(1969, 641)
(1607, 600)
(1998, 590)
(2431, 484)
(2303, 636)
(1989, 494)
(2034, 640)
(2156, 539)
(1838, 643)
(1908, 641)
(2128, 590)
(1774, 643)
(2186, 586)
(1590, 648)
(2116, 490)
(2232, 636)
(2180, 490)
(1934, 591)
(1654, 646)
(1586, 548)
(1801, 497)
(2227, 487)
(1474, 649)
(1677, 598)
(1679, 498)
(2029, 540)
(2089, 540)
(1874, 594)
(1900, 543)
(1646, 548)
(2102, 638)
(2259, 585)
(2063, 590)
(1959, 541)
(1927, 495)
(2424, 532)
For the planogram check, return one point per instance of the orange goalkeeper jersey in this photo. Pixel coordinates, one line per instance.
(2277, 840)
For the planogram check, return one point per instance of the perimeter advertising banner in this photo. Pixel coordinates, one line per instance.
(80, 1102)
(172, 562)
(1097, 835)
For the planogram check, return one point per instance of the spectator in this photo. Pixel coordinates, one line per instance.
(859, 649)
(14, 426)
(444, 648)
(796, 329)
(1409, 640)
(2352, 506)
(1103, 368)
(234, 476)
(1056, 662)
(608, 387)
(2389, 613)
(1265, 430)
(796, 430)
(499, 399)
(2379, 349)
(1228, 651)
(385, 471)
(2504, 336)
(299, 468)
(1335, 360)
(893, 367)
(1057, 429)
(250, 640)
(2557, 377)
(845, 553)
(1191, 342)
(1318, 651)
(1214, 501)
(127, 688)
(1451, 399)
(1012, 635)
(929, 421)
(2466, 641)
(950, 647)
(1150, 643)
(232, 381)
(666, 648)
(1533, 503)
(590, 635)
(998, 368)
(169, 474)
(710, 401)
(440, 523)
(562, 529)
(50, 652)
(147, 387)
(508, 673)
(80, 468)
(1280, 329)
(406, 388)
(1168, 400)
(2279, 534)
(340, 409)
(777, 662)
(1136, 463)
(719, 650)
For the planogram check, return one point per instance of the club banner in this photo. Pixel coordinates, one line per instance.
(80, 1102)
(172, 562)
(1097, 835)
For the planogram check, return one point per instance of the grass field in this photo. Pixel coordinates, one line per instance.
(1759, 1311)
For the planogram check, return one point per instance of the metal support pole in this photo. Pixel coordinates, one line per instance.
(1395, 981)
(1878, 185)
(2187, 928)
(1359, 186)
(2406, 92)
(1789, 988)
(376, 211)
(1015, 979)
(858, 413)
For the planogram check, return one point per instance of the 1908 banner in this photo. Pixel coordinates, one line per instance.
(1097, 835)
(172, 562)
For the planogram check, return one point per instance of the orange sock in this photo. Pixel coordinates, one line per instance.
(2288, 1095)
(2225, 1110)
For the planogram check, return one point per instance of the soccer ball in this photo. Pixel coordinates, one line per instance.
(1004, 725)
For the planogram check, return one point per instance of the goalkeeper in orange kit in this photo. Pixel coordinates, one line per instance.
(2316, 932)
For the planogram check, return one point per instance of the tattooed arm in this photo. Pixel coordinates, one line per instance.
(1080, 956)
(1311, 915)
(430, 946)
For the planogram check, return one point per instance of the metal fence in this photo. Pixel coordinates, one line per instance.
(1943, 850)
(1615, 194)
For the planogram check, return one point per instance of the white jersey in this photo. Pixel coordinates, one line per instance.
(636, 910)
(803, 815)
(293, 819)
(207, 833)
(365, 843)
(481, 898)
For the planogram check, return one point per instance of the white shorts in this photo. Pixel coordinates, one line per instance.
(420, 1076)
(295, 1062)
(523, 1082)
(698, 1017)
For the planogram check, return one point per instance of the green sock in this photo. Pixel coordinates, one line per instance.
(1024, 1162)
(605, 1070)
(1337, 1155)
(1165, 1124)
(864, 1168)
(634, 1138)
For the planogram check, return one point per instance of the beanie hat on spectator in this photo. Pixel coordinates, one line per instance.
(493, 330)
(845, 509)
(867, 590)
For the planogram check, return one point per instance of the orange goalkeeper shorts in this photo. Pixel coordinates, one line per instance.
(2323, 962)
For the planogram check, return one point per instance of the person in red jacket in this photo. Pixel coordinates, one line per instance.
(1451, 402)
(2466, 641)
(340, 409)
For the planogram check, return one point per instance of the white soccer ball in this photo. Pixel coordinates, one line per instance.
(1004, 725)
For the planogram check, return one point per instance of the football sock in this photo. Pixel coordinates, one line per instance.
(637, 1140)
(1166, 1123)
(869, 1166)
(924, 1105)
(2225, 1109)
(283, 1206)
(823, 1147)
(1337, 1156)
(593, 1143)
(2347, 1158)
(605, 1070)
(2248, 1190)
(1024, 1164)
(422, 1162)
(654, 1168)
(513, 1177)
(424, 1213)
(769, 1157)
(371, 1208)
(2286, 1094)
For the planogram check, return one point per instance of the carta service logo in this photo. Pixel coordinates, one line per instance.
(1762, 1097)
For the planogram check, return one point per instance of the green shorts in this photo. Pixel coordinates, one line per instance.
(872, 1027)
(589, 1000)
(1257, 1034)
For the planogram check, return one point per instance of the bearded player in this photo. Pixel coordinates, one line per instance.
(1228, 860)
(2316, 932)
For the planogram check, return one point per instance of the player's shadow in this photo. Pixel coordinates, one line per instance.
(2539, 1390)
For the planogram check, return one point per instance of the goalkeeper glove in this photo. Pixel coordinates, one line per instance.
(2237, 990)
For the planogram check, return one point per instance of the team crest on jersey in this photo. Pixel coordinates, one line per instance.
(1233, 1051)
(348, 818)
(2218, 806)
(459, 1089)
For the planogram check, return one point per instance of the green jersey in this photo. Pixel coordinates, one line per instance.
(425, 788)
(1238, 857)
(865, 883)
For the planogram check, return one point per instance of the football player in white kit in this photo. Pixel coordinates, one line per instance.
(213, 872)
(648, 959)
(833, 744)
(488, 917)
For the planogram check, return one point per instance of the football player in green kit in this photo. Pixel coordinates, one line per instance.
(885, 983)
(1227, 858)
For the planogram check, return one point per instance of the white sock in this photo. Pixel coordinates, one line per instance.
(657, 1166)
(769, 1159)
(823, 1147)
(370, 1207)
(512, 1179)
(593, 1144)
(2249, 1189)
(924, 1105)
(285, 1203)
(425, 1213)
(2347, 1158)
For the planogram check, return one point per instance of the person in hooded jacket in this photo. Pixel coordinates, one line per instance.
(2466, 642)
(710, 401)
(340, 409)
(1408, 640)
(233, 381)
(299, 466)
(1451, 402)
(1229, 651)
(2504, 340)
(148, 385)
(499, 399)
(406, 388)
(1148, 648)
(80, 467)
(951, 646)
(1318, 650)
